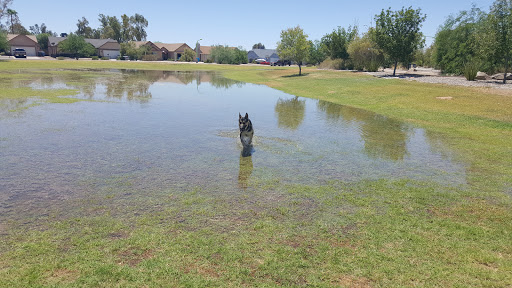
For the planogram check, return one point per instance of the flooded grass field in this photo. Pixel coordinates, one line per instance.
(142, 173)
(178, 130)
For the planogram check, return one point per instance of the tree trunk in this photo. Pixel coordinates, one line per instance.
(394, 71)
(300, 69)
(506, 69)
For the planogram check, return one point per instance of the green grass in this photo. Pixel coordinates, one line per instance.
(383, 233)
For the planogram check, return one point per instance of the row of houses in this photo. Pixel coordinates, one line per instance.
(112, 49)
(105, 47)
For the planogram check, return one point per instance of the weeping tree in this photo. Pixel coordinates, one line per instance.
(398, 34)
(460, 40)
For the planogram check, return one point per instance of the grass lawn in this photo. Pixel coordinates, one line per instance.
(382, 233)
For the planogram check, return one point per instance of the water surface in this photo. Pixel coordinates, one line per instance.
(149, 132)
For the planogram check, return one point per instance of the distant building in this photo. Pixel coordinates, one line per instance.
(269, 55)
(172, 51)
(205, 53)
(104, 47)
(27, 42)
(153, 49)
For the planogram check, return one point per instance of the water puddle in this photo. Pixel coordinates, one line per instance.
(152, 131)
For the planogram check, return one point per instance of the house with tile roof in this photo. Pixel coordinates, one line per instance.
(172, 51)
(205, 53)
(104, 47)
(153, 49)
(268, 54)
(27, 42)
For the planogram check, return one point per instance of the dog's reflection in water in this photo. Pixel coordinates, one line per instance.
(245, 166)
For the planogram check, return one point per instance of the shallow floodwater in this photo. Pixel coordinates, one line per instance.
(147, 132)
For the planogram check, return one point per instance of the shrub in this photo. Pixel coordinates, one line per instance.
(335, 64)
(105, 58)
(94, 57)
(60, 58)
(228, 55)
(470, 71)
(240, 56)
(149, 58)
(373, 66)
(188, 55)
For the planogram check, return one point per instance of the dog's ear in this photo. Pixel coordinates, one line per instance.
(246, 116)
(239, 115)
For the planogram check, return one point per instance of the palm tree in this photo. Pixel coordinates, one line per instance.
(13, 15)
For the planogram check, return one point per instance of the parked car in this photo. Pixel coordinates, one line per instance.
(282, 63)
(260, 60)
(265, 63)
(20, 53)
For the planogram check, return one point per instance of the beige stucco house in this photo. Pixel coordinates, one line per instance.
(172, 51)
(27, 42)
(104, 47)
(153, 49)
(204, 53)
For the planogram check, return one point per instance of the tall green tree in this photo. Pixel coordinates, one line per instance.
(126, 29)
(316, 54)
(240, 56)
(115, 27)
(335, 44)
(458, 41)
(4, 6)
(110, 27)
(83, 28)
(76, 45)
(365, 54)
(500, 19)
(258, 46)
(40, 29)
(42, 40)
(13, 18)
(294, 46)
(36, 30)
(398, 33)
(139, 25)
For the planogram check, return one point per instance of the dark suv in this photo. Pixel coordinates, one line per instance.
(282, 63)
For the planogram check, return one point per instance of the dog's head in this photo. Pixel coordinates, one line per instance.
(243, 122)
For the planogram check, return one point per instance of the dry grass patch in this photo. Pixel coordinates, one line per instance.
(62, 276)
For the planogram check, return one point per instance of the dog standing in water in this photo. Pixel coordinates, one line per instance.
(246, 130)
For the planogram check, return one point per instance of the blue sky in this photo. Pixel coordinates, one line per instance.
(230, 22)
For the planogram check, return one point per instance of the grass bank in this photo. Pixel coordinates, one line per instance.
(383, 233)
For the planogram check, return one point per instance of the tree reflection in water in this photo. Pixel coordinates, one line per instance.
(290, 112)
(383, 137)
(245, 170)
(132, 85)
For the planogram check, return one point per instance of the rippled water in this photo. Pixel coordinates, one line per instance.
(146, 132)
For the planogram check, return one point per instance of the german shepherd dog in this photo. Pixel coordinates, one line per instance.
(246, 130)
